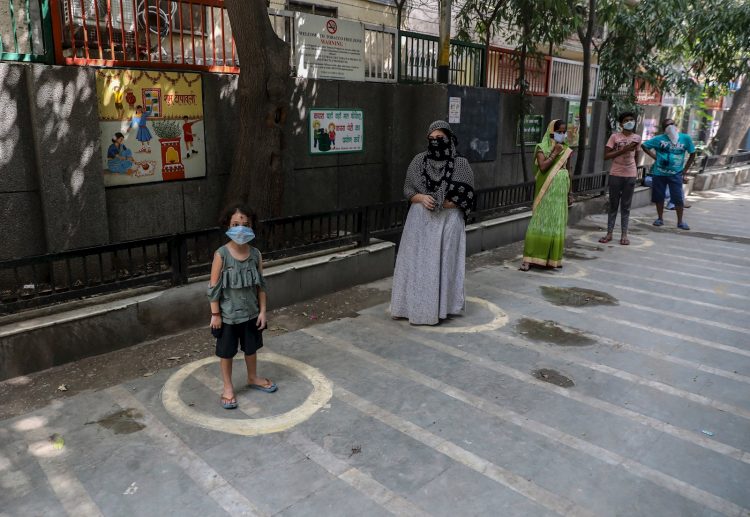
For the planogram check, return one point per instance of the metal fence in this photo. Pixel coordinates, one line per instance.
(724, 160)
(503, 71)
(185, 34)
(26, 31)
(173, 260)
(419, 60)
(381, 61)
(566, 79)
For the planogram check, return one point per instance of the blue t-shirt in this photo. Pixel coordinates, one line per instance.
(670, 158)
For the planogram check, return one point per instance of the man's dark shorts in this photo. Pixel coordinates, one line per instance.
(662, 183)
(246, 334)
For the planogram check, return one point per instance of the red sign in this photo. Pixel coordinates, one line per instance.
(331, 26)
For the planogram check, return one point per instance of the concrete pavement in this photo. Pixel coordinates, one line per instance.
(619, 385)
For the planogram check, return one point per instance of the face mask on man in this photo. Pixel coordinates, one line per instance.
(240, 234)
(629, 125)
(672, 133)
(560, 137)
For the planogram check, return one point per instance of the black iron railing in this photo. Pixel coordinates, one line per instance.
(724, 160)
(172, 260)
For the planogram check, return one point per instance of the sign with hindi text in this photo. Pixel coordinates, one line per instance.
(531, 129)
(336, 131)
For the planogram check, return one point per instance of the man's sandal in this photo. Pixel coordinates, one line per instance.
(624, 241)
(605, 239)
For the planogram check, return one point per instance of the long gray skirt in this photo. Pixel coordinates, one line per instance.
(428, 283)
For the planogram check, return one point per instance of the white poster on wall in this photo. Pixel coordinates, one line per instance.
(454, 110)
(329, 48)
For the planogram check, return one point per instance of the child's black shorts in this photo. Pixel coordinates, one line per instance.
(247, 334)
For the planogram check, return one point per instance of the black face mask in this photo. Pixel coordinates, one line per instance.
(438, 148)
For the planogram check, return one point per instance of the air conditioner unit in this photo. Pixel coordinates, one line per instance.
(75, 11)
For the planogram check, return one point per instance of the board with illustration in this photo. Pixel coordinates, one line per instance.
(151, 126)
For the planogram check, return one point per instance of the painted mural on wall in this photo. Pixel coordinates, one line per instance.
(151, 126)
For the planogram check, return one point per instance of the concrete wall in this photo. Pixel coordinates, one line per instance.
(52, 195)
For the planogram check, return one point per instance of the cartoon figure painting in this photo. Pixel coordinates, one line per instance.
(316, 134)
(117, 96)
(143, 134)
(187, 133)
(332, 134)
(119, 157)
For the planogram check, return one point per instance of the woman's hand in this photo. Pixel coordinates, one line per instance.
(262, 322)
(557, 149)
(215, 322)
(449, 204)
(427, 201)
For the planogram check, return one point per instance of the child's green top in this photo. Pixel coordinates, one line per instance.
(236, 291)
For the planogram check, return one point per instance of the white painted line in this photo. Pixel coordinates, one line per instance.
(210, 481)
(670, 314)
(712, 263)
(320, 395)
(392, 502)
(695, 438)
(71, 493)
(538, 495)
(608, 282)
(357, 479)
(677, 242)
(632, 324)
(660, 386)
(670, 483)
(721, 291)
(676, 271)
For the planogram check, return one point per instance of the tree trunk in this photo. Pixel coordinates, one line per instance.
(735, 123)
(586, 76)
(257, 175)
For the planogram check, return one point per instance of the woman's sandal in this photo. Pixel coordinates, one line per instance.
(605, 239)
(525, 266)
(625, 241)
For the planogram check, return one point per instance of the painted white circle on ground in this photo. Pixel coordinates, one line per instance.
(499, 319)
(322, 391)
(636, 241)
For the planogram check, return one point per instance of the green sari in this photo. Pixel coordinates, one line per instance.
(545, 236)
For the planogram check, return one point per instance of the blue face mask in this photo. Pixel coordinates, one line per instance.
(240, 234)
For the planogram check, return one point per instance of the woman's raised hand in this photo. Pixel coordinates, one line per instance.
(557, 149)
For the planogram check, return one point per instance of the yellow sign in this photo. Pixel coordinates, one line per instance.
(151, 124)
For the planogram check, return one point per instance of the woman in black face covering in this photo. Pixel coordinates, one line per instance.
(428, 283)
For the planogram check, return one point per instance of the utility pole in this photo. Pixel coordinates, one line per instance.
(444, 53)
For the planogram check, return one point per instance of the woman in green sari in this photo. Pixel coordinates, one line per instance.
(545, 236)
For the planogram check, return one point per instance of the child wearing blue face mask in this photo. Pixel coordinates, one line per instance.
(237, 292)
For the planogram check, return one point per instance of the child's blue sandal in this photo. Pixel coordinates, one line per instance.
(683, 226)
(267, 389)
(659, 222)
(228, 403)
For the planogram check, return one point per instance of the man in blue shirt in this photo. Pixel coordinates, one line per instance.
(668, 151)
